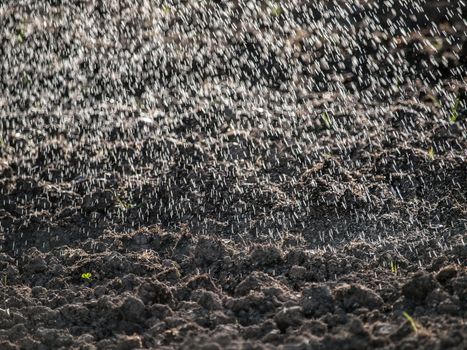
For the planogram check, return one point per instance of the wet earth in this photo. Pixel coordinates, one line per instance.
(233, 174)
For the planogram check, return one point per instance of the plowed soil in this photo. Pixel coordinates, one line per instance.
(233, 175)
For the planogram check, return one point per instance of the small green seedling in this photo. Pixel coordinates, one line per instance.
(411, 321)
(166, 9)
(20, 36)
(327, 120)
(86, 276)
(455, 111)
(5, 280)
(431, 153)
(123, 204)
(276, 11)
(394, 267)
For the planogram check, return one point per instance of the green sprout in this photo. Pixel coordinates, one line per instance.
(166, 9)
(431, 153)
(455, 111)
(86, 276)
(276, 10)
(436, 43)
(394, 267)
(5, 280)
(123, 204)
(411, 321)
(327, 120)
(20, 36)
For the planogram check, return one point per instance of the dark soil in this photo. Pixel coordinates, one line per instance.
(233, 174)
